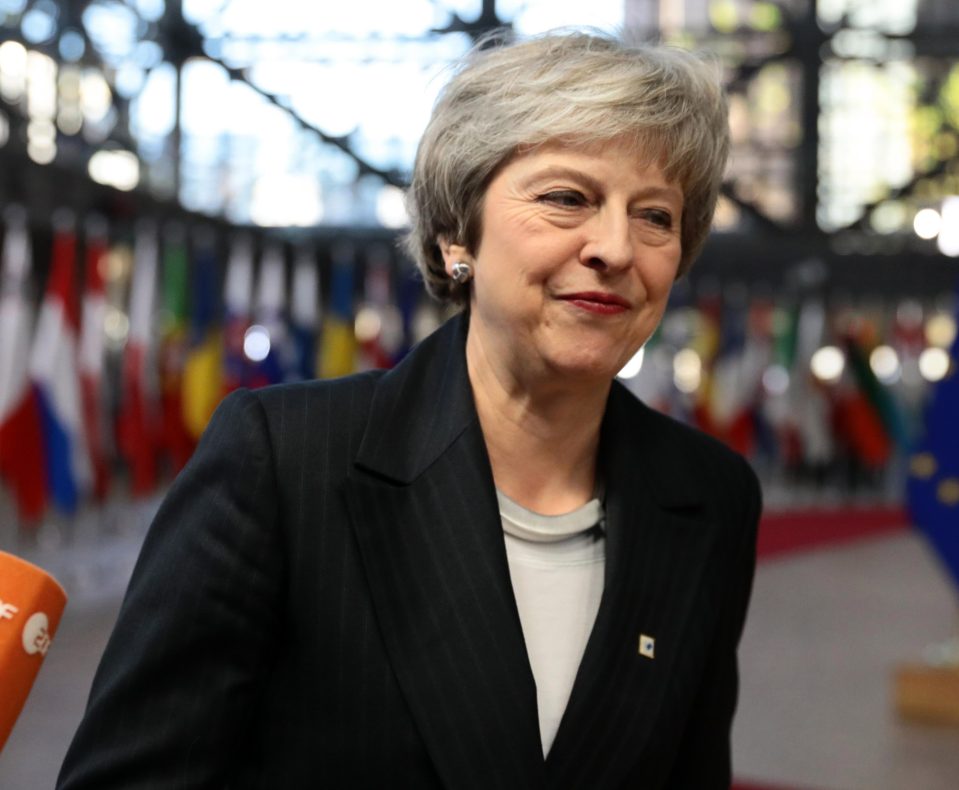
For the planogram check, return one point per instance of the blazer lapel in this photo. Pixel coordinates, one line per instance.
(423, 508)
(656, 555)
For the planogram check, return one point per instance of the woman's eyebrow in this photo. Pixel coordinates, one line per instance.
(664, 191)
(563, 171)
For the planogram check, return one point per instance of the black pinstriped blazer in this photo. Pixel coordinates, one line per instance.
(323, 601)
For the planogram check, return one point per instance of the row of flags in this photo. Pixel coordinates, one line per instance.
(121, 367)
(744, 370)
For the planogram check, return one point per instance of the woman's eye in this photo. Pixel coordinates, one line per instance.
(565, 198)
(662, 219)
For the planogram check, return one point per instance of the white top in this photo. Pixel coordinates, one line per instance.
(556, 566)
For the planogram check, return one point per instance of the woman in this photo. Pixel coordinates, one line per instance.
(491, 566)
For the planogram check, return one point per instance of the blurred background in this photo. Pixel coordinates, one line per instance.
(199, 195)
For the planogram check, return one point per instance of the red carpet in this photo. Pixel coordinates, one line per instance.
(803, 530)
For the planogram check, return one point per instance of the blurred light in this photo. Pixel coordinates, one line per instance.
(724, 15)
(286, 199)
(42, 133)
(150, 10)
(776, 380)
(884, 362)
(426, 320)
(72, 46)
(116, 326)
(128, 80)
(949, 234)
(933, 364)
(148, 54)
(631, 369)
(367, 325)
(38, 24)
(391, 207)
(70, 121)
(828, 363)
(95, 96)
(13, 6)
(69, 117)
(118, 169)
(4, 129)
(41, 141)
(256, 343)
(888, 217)
(118, 263)
(13, 70)
(765, 17)
(927, 223)
(42, 153)
(940, 330)
(687, 370)
(41, 85)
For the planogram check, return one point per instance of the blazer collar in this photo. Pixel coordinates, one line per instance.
(424, 403)
(420, 407)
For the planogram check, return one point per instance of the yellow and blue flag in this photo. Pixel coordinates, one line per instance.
(933, 486)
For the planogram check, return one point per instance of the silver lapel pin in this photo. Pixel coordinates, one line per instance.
(647, 646)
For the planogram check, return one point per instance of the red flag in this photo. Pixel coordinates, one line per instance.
(22, 462)
(93, 312)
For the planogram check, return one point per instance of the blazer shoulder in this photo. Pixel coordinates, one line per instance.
(305, 417)
(684, 455)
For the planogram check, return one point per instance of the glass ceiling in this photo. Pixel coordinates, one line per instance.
(301, 113)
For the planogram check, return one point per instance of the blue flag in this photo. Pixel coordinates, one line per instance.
(933, 486)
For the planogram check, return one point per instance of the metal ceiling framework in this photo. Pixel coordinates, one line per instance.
(761, 249)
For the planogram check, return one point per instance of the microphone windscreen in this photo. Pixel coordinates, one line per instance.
(31, 603)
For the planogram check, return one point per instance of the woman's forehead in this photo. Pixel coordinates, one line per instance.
(641, 156)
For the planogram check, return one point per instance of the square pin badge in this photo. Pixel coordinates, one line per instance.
(647, 646)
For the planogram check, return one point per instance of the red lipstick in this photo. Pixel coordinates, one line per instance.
(598, 302)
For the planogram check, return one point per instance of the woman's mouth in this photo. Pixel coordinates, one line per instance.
(599, 302)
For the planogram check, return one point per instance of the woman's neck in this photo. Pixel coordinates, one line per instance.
(542, 435)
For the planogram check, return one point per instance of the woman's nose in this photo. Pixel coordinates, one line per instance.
(609, 244)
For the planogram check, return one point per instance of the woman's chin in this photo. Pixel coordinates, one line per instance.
(583, 366)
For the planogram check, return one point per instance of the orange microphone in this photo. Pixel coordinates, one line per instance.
(31, 602)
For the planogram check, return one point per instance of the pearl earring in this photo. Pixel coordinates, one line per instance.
(462, 272)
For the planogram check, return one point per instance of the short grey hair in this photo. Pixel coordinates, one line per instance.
(572, 87)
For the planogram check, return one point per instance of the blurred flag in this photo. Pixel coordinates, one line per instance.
(777, 406)
(237, 302)
(268, 345)
(736, 378)
(378, 327)
(304, 313)
(139, 418)
(22, 462)
(202, 372)
(174, 438)
(810, 409)
(92, 354)
(866, 416)
(705, 342)
(933, 486)
(338, 344)
(53, 368)
(409, 297)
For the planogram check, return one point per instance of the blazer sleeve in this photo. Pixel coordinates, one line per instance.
(179, 678)
(704, 757)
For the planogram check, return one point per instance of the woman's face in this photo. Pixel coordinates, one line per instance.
(579, 250)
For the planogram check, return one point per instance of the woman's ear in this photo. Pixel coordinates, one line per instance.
(452, 253)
